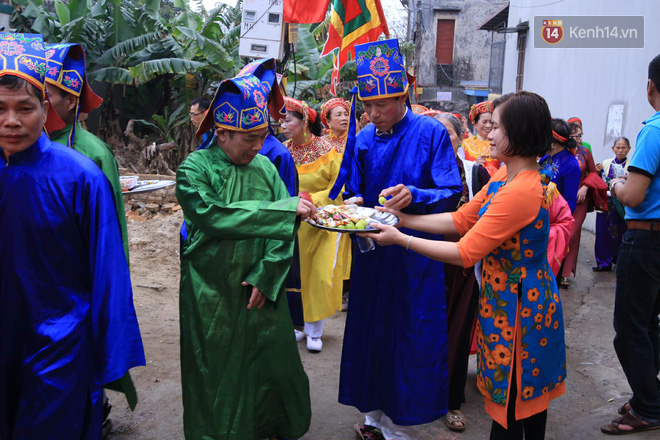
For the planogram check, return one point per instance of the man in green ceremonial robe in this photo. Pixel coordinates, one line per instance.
(241, 373)
(70, 94)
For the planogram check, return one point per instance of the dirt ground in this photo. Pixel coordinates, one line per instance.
(596, 385)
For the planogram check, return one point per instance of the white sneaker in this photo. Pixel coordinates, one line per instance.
(314, 344)
(299, 335)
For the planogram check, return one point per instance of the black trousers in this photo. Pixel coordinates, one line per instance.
(636, 309)
(532, 427)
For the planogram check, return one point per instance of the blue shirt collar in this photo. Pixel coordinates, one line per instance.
(653, 118)
(30, 153)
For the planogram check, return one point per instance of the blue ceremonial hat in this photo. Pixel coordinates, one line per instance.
(23, 55)
(265, 71)
(66, 70)
(380, 70)
(241, 103)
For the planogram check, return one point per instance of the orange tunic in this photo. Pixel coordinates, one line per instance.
(475, 147)
(507, 225)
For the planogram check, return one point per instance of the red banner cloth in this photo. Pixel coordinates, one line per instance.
(305, 11)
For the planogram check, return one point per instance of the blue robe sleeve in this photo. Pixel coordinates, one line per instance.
(571, 181)
(446, 180)
(354, 183)
(115, 331)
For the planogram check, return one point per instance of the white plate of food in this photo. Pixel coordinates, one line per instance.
(350, 218)
(148, 185)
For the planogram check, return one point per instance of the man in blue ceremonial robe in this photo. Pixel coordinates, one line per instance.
(67, 322)
(394, 360)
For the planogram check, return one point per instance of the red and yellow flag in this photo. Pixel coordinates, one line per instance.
(305, 11)
(352, 22)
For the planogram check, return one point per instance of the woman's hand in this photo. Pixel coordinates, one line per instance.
(582, 193)
(388, 235)
(481, 159)
(599, 167)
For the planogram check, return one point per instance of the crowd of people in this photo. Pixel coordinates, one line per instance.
(489, 230)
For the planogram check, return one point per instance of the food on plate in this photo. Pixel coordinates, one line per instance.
(382, 200)
(127, 183)
(343, 217)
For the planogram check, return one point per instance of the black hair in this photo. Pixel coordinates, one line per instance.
(201, 102)
(560, 127)
(624, 139)
(654, 72)
(316, 127)
(476, 118)
(13, 82)
(525, 118)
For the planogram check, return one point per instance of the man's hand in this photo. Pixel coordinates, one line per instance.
(256, 298)
(359, 201)
(582, 193)
(305, 209)
(400, 197)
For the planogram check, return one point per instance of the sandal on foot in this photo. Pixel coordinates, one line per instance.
(624, 408)
(368, 432)
(564, 283)
(628, 419)
(455, 420)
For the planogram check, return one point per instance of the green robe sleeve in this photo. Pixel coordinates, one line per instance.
(203, 203)
(269, 274)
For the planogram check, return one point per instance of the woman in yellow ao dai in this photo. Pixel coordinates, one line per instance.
(324, 255)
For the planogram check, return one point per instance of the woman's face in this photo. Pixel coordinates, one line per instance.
(292, 127)
(577, 136)
(499, 140)
(621, 149)
(338, 120)
(484, 124)
(453, 136)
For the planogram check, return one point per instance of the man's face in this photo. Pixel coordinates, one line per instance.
(196, 115)
(384, 113)
(241, 147)
(63, 103)
(22, 118)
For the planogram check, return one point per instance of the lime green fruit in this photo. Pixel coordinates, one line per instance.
(382, 200)
(361, 226)
(350, 226)
(341, 227)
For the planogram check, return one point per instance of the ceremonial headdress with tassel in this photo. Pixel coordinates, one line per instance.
(242, 103)
(66, 71)
(380, 70)
(477, 109)
(24, 56)
(329, 105)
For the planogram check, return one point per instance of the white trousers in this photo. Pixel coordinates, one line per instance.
(314, 329)
(388, 428)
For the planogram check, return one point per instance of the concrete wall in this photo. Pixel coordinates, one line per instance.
(471, 46)
(586, 82)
